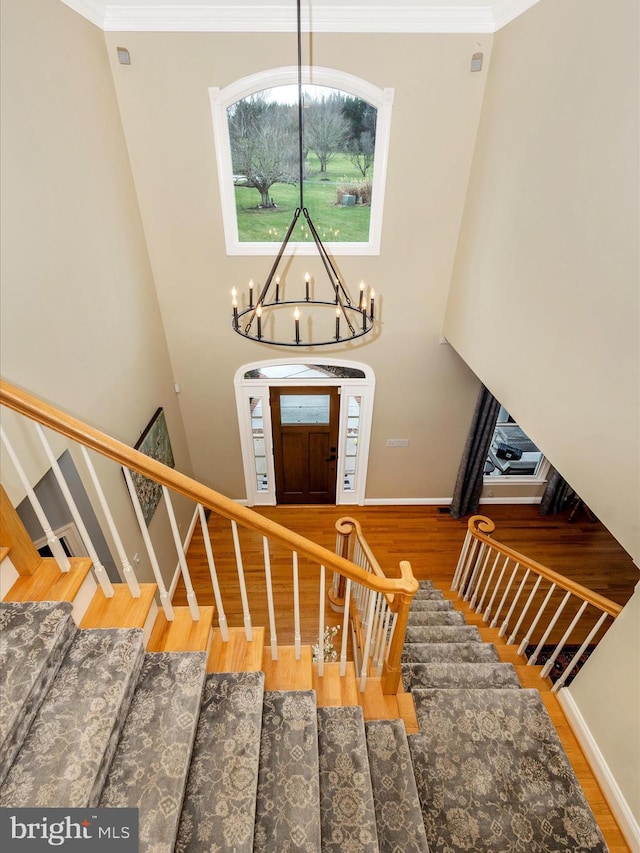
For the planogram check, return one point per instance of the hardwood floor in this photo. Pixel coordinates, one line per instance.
(430, 540)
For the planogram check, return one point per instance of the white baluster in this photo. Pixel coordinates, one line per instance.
(468, 590)
(367, 645)
(378, 626)
(52, 540)
(461, 560)
(504, 597)
(182, 559)
(487, 586)
(345, 628)
(527, 638)
(514, 604)
(248, 630)
(296, 608)
(162, 589)
(127, 569)
(524, 612)
(468, 567)
(272, 612)
(321, 626)
(546, 669)
(487, 612)
(576, 658)
(222, 619)
(477, 584)
(382, 654)
(100, 571)
(556, 615)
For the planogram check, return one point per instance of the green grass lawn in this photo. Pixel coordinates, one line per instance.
(333, 222)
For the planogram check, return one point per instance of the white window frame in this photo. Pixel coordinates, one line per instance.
(221, 99)
(361, 387)
(537, 479)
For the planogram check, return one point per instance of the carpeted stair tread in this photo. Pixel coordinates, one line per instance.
(457, 675)
(429, 595)
(449, 653)
(431, 604)
(425, 584)
(398, 815)
(442, 634)
(66, 754)
(35, 639)
(492, 775)
(220, 799)
(436, 617)
(149, 769)
(347, 813)
(288, 799)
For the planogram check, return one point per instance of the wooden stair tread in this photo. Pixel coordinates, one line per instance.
(287, 673)
(182, 634)
(333, 689)
(377, 705)
(237, 655)
(48, 583)
(120, 611)
(4, 552)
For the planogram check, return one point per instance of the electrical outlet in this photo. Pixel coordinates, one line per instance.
(397, 442)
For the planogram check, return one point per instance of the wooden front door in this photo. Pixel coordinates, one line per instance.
(305, 444)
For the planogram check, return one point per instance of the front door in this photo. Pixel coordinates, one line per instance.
(305, 443)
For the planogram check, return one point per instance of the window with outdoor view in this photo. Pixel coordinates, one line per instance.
(345, 137)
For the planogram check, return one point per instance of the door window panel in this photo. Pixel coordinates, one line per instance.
(305, 409)
(353, 431)
(259, 451)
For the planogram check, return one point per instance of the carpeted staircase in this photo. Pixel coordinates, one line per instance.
(216, 763)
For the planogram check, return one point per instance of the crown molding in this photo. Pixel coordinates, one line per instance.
(227, 17)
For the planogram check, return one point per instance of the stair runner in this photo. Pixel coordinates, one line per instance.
(214, 762)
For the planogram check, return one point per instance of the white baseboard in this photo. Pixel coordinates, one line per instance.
(512, 500)
(626, 819)
(407, 501)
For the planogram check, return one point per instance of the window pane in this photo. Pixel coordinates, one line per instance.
(339, 144)
(304, 409)
(353, 430)
(259, 456)
(512, 453)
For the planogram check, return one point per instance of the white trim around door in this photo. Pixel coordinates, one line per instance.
(254, 420)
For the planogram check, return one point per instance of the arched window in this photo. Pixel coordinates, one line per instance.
(345, 143)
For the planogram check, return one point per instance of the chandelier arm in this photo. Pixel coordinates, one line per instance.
(267, 284)
(334, 278)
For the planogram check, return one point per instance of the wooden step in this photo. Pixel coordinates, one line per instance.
(407, 710)
(120, 611)
(287, 673)
(182, 634)
(237, 655)
(375, 704)
(48, 583)
(4, 552)
(333, 689)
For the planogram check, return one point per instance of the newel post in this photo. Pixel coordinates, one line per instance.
(392, 671)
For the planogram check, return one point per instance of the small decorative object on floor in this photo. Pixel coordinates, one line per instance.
(330, 653)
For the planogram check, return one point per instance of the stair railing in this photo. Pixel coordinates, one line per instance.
(375, 590)
(527, 600)
(378, 619)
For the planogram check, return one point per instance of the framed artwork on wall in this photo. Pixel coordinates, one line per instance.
(153, 442)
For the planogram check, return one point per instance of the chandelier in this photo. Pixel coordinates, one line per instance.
(269, 315)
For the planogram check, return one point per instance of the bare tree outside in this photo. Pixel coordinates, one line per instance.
(326, 129)
(361, 151)
(263, 145)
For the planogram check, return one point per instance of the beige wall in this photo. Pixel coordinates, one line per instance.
(424, 391)
(544, 299)
(80, 319)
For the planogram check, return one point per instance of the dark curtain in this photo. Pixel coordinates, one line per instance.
(557, 496)
(466, 495)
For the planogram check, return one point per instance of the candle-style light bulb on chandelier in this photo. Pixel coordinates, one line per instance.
(336, 319)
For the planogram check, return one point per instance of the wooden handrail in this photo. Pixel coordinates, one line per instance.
(480, 526)
(35, 409)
